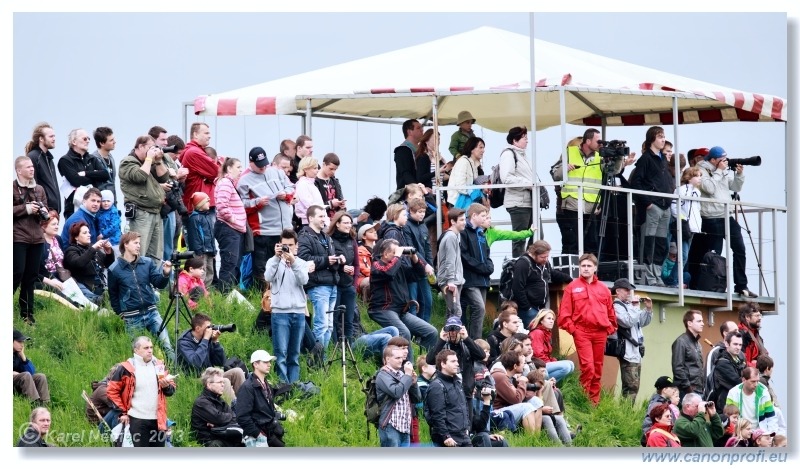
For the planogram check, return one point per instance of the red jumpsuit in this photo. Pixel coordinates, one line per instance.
(587, 313)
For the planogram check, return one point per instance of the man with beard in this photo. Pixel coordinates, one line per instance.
(38, 150)
(750, 327)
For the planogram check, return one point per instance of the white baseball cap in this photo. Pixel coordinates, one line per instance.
(261, 356)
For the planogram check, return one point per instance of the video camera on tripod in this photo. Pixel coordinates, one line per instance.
(611, 150)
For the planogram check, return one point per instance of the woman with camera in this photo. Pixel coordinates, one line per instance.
(30, 207)
(344, 243)
(86, 261)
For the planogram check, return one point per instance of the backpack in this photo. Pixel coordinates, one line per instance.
(497, 195)
(372, 408)
(507, 277)
(713, 273)
(425, 409)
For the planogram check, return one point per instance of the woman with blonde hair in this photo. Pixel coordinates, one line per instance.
(541, 330)
(742, 436)
(306, 191)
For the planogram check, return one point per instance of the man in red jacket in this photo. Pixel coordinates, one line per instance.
(203, 170)
(587, 313)
(750, 327)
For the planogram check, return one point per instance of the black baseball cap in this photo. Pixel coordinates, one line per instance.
(19, 336)
(259, 157)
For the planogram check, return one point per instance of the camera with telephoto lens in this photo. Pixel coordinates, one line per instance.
(44, 214)
(613, 149)
(180, 256)
(484, 382)
(751, 161)
(409, 251)
(224, 328)
(166, 149)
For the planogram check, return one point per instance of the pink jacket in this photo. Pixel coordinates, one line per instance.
(230, 208)
(186, 283)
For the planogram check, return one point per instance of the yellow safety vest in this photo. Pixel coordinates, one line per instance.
(591, 172)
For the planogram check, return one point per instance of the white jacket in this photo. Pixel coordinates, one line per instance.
(519, 173)
(690, 209)
(715, 184)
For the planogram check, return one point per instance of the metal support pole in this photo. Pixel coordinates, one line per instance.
(437, 186)
(536, 214)
(307, 120)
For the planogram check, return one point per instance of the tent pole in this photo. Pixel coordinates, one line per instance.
(676, 161)
(536, 214)
(307, 120)
(435, 138)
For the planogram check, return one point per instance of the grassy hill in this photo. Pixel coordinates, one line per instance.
(75, 348)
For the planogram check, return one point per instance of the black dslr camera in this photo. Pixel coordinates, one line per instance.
(409, 251)
(42, 211)
(224, 328)
(612, 150)
(181, 256)
(166, 149)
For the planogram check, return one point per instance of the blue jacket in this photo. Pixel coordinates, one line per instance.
(80, 215)
(196, 356)
(478, 266)
(110, 224)
(129, 284)
(200, 232)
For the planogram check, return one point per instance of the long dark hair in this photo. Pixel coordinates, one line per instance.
(335, 220)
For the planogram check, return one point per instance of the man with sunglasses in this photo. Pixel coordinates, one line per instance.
(79, 167)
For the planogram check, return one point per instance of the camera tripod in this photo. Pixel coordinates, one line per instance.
(174, 307)
(608, 207)
(736, 210)
(343, 347)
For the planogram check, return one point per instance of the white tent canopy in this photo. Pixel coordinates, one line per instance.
(491, 79)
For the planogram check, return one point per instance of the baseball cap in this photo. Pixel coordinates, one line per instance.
(259, 157)
(664, 382)
(623, 283)
(19, 336)
(716, 152)
(453, 323)
(261, 356)
(364, 228)
(758, 433)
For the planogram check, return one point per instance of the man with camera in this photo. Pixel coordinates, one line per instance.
(715, 184)
(454, 337)
(199, 348)
(130, 289)
(699, 425)
(141, 175)
(511, 391)
(446, 408)
(255, 405)
(397, 392)
(30, 209)
(389, 296)
(630, 321)
(287, 274)
(172, 189)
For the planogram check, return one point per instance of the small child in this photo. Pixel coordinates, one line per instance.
(494, 234)
(731, 413)
(109, 220)
(190, 281)
(463, 134)
(200, 234)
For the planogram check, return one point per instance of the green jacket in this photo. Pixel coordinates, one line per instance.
(696, 432)
(457, 142)
(493, 234)
(142, 189)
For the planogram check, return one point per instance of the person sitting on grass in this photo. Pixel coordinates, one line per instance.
(213, 420)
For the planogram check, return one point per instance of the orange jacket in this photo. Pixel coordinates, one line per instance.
(123, 383)
(588, 305)
(364, 260)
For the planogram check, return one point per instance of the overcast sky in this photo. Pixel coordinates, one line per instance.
(131, 71)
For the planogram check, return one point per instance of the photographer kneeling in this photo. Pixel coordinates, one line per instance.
(199, 349)
(213, 420)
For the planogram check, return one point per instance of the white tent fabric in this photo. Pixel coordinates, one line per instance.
(491, 79)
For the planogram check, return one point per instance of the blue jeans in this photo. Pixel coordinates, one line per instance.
(408, 325)
(323, 298)
(374, 342)
(421, 291)
(345, 296)
(150, 321)
(559, 369)
(527, 316)
(391, 438)
(287, 334)
(95, 296)
(169, 234)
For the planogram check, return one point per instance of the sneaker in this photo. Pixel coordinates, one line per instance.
(747, 293)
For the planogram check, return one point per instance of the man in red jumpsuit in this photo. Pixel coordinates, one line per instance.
(587, 313)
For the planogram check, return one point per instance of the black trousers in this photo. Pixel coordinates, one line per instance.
(27, 258)
(264, 248)
(145, 433)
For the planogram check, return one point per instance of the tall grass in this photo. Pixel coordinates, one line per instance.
(75, 348)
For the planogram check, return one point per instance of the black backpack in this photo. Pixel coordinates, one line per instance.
(713, 273)
(425, 408)
(507, 277)
(372, 408)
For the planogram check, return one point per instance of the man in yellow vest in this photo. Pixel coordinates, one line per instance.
(584, 165)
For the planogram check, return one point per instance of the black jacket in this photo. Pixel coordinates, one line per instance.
(652, 175)
(80, 261)
(448, 416)
(255, 409)
(195, 357)
(337, 189)
(417, 235)
(688, 372)
(388, 286)
(727, 374)
(311, 249)
(478, 266)
(71, 164)
(345, 245)
(406, 170)
(531, 283)
(31, 439)
(495, 338)
(209, 408)
(45, 175)
(467, 352)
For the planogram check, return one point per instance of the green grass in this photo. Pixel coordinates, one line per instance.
(75, 348)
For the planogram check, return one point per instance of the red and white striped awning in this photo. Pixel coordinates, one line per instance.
(496, 88)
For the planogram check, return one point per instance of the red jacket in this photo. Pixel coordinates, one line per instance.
(661, 436)
(186, 283)
(588, 305)
(203, 171)
(123, 383)
(752, 344)
(542, 343)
